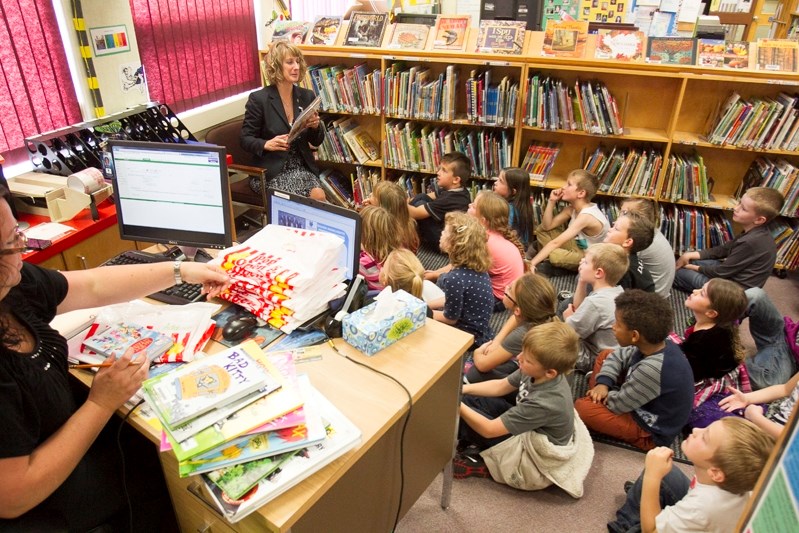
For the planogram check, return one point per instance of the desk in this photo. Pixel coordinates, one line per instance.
(359, 491)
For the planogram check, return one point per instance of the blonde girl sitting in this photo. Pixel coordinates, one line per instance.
(378, 238)
(531, 300)
(402, 270)
(390, 196)
(468, 298)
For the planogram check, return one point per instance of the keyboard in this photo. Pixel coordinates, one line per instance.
(175, 295)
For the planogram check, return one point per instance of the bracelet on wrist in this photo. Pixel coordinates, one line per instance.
(176, 272)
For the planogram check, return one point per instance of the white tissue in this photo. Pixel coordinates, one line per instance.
(386, 306)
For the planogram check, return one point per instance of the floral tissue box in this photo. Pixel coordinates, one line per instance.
(371, 337)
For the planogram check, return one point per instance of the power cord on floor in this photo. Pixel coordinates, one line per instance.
(404, 424)
(122, 457)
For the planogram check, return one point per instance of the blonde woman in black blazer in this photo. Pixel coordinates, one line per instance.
(268, 117)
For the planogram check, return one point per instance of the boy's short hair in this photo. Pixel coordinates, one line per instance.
(645, 312)
(612, 259)
(586, 181)
(555, 345)
(641, 231)
(461, 166)
(643, 207)
(768, 201)
(742, 455)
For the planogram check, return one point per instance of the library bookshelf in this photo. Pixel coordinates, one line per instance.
(662, 108)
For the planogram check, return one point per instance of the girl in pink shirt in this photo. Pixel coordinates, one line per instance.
(378, 238)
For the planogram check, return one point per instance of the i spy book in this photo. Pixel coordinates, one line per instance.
(501, 36)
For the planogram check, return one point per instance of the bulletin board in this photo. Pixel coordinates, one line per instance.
(774, 505)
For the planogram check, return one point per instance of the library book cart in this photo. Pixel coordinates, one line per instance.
(505, 110)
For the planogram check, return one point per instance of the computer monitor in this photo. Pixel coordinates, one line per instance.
(292, 210)
(172, 193)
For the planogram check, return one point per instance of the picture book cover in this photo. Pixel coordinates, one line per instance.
(670, 50)
(777, 55)
(257, 446)
(128, 339)
(325, 31)
(341, 435)
(565, 38)
(501, 36)
(710, 53)
(234, 325)
(237, 480)
(620, 45)
(450, 32)
(293, 31)
(366, 29)
(254, 415)
(409, 36)
(207, 383)
(737, 54)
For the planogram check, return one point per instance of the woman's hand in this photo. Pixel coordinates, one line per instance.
(278, 143)
(113, 386)
(313, 122)
(213, 279)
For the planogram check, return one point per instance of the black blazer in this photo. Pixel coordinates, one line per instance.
(264, 118)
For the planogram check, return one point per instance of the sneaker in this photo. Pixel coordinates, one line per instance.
(565, 295)
(464, 466)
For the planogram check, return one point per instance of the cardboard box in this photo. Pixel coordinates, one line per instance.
(371, 337)
(48, 195)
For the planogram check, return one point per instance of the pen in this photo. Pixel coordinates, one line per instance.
(99, 365)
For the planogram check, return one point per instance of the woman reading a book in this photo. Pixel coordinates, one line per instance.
(60, 469)
(268, 118)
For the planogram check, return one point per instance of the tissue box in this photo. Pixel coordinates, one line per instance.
(371, 337)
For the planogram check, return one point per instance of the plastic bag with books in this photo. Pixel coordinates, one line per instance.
(285, 275)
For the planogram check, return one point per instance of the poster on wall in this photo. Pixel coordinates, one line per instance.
(131, 77)
(107, 40)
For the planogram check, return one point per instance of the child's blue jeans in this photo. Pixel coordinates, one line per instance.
(673, 488)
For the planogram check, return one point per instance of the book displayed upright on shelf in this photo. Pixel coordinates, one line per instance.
(450, 32)
(366, 29)
(208, 383)
(777, 55)
(710, 52)
(409, 36)
(565, 38)
(128, 339)
(737, 54)
(620, 45)
(670, 50)
(292, 31)
(324, 31)
(501, 37)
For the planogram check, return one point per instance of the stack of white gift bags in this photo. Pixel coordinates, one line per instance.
(285, 275)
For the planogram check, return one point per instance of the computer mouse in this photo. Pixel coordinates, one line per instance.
(239, 328)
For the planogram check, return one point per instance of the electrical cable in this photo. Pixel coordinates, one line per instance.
(122, 457)
(404, 424)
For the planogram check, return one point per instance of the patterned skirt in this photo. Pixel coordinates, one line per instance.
(295, 177)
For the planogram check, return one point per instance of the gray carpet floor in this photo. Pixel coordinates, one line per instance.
(433, 260)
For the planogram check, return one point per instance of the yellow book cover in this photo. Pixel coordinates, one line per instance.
(565, 38)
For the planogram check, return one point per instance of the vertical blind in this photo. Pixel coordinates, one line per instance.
(196, 51)
(36, 90)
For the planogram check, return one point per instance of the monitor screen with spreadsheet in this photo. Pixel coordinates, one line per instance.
(172, 193)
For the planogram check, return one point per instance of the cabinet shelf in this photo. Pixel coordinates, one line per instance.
(630, 134)
(694, 139)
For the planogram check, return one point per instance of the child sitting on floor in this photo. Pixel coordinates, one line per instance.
(641, 393)
(513, 184)
(728, 457)
(658, 256)
(592, 316)
(394, 199)
(468, 299)
(378, 238)
(633, 233)
(505, 250)
(749, 402)
(713, 347)
(403, 270)
(538, 440)
(531, 301)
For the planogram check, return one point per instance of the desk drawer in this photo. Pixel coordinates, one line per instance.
(96, 249)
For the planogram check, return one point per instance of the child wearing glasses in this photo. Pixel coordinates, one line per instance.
(468, 298)
(531, 301)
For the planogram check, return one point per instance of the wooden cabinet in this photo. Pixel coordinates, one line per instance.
(96, 249)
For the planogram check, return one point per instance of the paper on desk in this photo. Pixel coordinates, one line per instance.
(74, 322)
(47, 231)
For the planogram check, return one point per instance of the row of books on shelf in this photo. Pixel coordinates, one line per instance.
(757, 123)
(348, 142)
(539, 159)
(416, 92)
(686, 179)
(552, 104)
(786, 235)
(492, 104)
(781, 175)
(631, 170)
(416, 147)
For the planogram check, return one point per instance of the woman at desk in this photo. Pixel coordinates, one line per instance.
(268, 117)
(52, 468)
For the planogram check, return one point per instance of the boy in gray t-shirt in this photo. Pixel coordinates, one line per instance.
(544, 402)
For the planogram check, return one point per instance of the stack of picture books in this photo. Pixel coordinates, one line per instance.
(777, 174)
(539, 160)
(128, 339)
(337, 188)
(686, 179)
(692, 228)
(757, 123)
(630, 170)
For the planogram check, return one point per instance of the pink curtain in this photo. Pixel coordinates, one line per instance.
(36, 90)
(196, 51)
